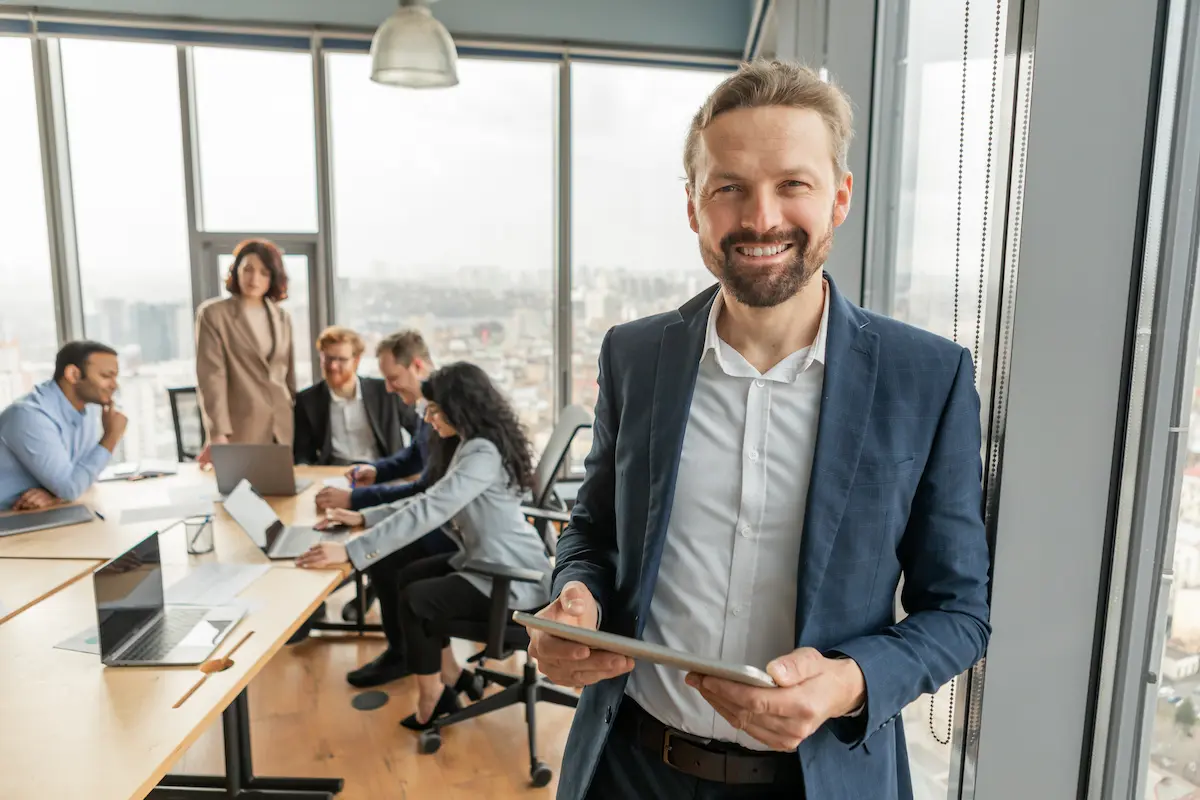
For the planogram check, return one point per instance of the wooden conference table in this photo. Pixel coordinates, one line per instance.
(75, 729)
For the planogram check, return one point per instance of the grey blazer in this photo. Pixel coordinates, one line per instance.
(486, 523)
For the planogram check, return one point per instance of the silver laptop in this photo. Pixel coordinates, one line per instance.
(268, 467)
(136, 626)
(256, 517)
(53, 517)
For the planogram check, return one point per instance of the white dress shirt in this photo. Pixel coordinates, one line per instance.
(727, 583)
(350, 434)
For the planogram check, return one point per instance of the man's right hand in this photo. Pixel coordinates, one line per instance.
(329, 497)
(114, 423)
(567, 663)
(361, 475)
(34, 499)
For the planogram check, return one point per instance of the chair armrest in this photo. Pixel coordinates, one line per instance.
(545, 513)
(494, 570)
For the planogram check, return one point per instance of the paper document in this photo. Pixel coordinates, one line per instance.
(339, 482)
(194, 493)
(86, 641)
(213, 584)
(192, 508)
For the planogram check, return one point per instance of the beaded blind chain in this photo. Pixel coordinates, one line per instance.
(949, 716)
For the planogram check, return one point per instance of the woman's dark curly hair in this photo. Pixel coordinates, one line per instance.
(272, 259)
(477, 410)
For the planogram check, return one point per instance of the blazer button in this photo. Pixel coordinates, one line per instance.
(608, 715)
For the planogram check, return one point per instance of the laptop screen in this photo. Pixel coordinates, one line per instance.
(254, 514)
(129, 593)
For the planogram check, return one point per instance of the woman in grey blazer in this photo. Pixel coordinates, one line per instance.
(480, 465)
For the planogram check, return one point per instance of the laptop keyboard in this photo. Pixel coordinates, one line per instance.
(168, 631)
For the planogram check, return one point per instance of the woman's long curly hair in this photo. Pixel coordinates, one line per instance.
(477, 410)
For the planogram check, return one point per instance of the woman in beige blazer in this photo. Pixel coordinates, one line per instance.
(245, 371)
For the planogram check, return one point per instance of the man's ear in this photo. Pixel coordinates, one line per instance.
(691, 208)
(72, 374)
(841, 201)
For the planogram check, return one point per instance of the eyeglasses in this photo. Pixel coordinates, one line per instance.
(336, 359)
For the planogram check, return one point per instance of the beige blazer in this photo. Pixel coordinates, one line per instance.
(243, 395)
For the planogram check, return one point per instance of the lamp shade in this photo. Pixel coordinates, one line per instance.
(413, 49)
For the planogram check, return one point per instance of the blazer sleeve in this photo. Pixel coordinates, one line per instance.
(291, 355)
(305, 445)
(408, 461)
(399, 524)
(212, 377)
(371, 496)
(945, 558)
(587, 549)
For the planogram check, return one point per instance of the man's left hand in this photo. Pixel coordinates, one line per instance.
(810, 689)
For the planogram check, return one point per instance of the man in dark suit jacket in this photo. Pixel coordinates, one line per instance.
(767, 462)
(346, 418)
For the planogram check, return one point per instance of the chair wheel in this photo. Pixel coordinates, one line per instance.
(540, 775)
(430, 742)
(350, 612)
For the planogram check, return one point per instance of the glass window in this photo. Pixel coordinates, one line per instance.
(633, 253)
(933, 233)
(444, 218)
(296, 267)
(122, 102)
(28, 336)
(254, 117)
(1174, 768)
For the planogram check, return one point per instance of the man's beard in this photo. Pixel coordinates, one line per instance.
(766, 287)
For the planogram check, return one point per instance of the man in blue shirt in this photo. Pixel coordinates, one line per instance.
(48, 439)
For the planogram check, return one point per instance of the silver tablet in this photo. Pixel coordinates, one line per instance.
(644, 651)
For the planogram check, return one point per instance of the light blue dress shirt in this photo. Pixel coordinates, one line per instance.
(45, 442)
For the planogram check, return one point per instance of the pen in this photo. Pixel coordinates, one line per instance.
(353, 478)
(98, 514)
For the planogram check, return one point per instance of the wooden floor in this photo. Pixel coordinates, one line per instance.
(303, 725)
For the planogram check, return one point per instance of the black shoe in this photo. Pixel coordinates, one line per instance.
(470, 684)
(447, 704)
(386, 668)
(302, 632)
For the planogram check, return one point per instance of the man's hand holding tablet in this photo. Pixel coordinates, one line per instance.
(567, 663)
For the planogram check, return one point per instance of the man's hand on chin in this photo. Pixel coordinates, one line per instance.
(810, 689)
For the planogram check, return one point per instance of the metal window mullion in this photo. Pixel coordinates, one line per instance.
(59, 194)
(322, 297)
(204, 286)
(562, 322)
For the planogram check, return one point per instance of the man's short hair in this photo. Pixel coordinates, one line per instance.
(404, 347)
(77, 354)
(337, 334)
(762, 83)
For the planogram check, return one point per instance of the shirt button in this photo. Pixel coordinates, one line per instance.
(746, 531)
(754, 455)
(737, 611)
(760, 382)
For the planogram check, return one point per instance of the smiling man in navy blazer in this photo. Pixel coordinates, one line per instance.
(768, 461)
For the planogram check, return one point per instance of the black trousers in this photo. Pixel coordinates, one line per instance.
(629, 770)
(434, 593)
(388, 582)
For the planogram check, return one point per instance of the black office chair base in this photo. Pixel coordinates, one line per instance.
(527, 688)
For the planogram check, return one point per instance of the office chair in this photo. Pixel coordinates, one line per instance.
(501, 636)
(189, 425)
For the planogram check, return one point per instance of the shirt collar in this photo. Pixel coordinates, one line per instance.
(62, 405)
(713, 342)
(339, 400)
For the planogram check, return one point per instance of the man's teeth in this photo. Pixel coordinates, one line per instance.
(773, 250)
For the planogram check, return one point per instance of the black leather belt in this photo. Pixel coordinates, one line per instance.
(721, 762)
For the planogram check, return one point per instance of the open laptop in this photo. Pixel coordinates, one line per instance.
(136, 626)
(256, 517)
(268, 467)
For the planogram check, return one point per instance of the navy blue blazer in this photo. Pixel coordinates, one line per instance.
(411, 460)
(895, 489)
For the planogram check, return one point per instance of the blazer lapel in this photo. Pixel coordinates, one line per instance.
(375, 403)
(851, 362)
(324, 423)
(678, 364)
